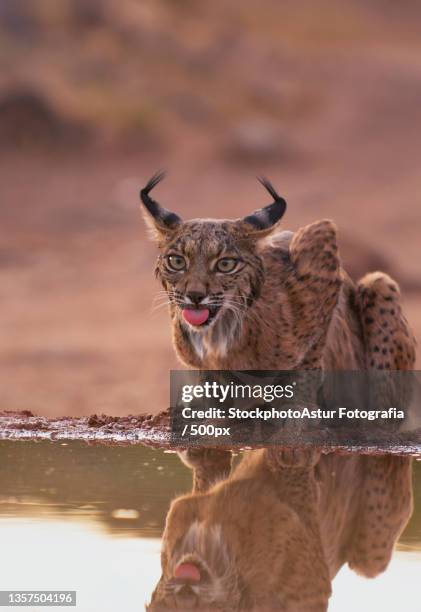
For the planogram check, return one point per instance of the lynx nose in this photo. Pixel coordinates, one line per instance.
(195, 297)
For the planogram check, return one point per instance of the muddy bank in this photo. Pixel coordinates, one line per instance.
(154, 430)
(151, 430)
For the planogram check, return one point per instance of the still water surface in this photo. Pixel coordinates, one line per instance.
(89, 517)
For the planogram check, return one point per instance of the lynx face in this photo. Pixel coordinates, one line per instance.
(197, 574)
(210, 269)
(211, 272)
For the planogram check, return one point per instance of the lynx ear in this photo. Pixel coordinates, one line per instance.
(158, 218)
(264, 219)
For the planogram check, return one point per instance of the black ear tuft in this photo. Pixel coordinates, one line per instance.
(163, 218)
(268, 216)
(153, 182)
(269, 187)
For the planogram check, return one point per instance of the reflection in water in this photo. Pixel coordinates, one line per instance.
(88, 518)
(274, 534)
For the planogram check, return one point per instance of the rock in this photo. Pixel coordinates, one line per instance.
(27, 120)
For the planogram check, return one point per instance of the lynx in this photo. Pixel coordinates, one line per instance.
(245, 296)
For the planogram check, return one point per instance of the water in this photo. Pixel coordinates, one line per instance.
(89, 518)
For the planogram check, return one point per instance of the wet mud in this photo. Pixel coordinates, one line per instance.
(155, 431)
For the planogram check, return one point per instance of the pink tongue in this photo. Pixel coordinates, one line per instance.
(187, 571)
(196, 317)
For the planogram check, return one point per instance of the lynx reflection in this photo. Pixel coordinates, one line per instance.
(272, 534)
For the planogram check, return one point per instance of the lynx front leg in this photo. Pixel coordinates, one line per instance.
(209, 465)
(314, 288)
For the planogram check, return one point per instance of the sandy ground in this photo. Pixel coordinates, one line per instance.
(329, 111)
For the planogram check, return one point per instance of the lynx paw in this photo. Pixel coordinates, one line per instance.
(292, 457)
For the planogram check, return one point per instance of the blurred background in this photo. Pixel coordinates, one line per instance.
(322, 97)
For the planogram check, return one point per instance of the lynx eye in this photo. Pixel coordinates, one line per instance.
(177, 263)
(226, 264)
